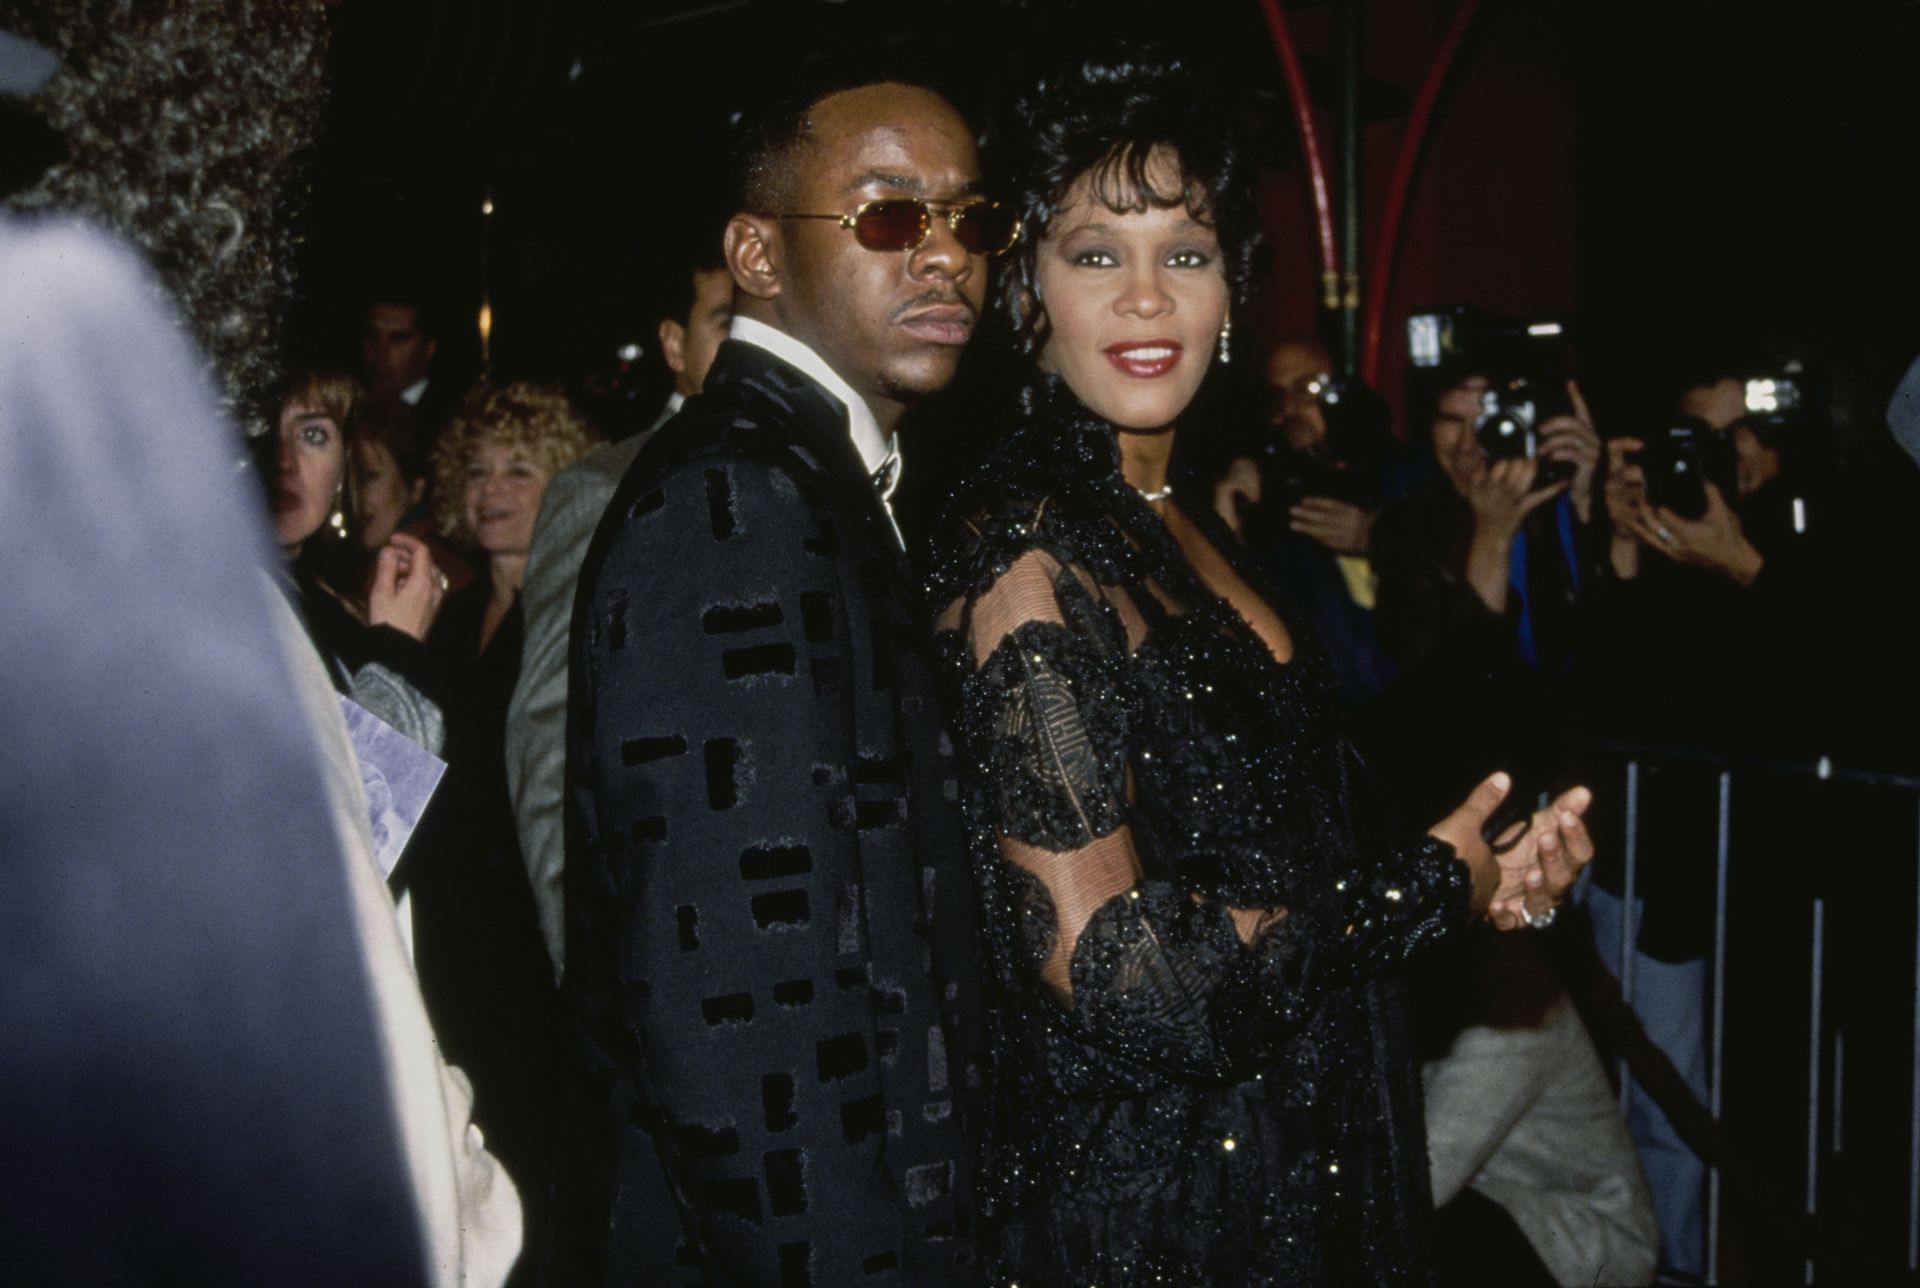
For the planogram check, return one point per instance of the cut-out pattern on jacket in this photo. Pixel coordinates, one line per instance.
(770, 942)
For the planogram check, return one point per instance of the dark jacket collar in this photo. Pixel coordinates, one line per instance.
(819, 418)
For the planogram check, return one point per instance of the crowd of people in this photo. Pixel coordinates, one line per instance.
(1145, 880)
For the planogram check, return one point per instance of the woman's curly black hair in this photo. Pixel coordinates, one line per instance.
(1103, 113)
(182, 120)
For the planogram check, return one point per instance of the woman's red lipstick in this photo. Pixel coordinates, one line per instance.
(1145, 359)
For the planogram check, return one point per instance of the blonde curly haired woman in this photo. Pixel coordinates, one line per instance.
(491, 467)
(483, 965)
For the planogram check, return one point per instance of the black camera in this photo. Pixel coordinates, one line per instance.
(1344, 466)
(1292, 476)
(1508, 426)
(1524, 362)
(1680, 460)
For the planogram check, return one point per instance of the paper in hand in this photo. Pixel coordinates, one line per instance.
(399, 776)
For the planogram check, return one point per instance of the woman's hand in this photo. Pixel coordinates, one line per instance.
(1536, 870)
(1715, 541)
(407, 588)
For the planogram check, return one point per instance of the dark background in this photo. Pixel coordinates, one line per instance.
(1674, 175)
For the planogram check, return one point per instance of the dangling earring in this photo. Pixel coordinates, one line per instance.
(1226, 333)
(338, 519)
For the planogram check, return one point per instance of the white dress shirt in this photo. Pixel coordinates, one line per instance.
(879, 453)
(413, 393)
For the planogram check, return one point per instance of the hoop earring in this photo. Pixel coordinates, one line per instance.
(1226, 334)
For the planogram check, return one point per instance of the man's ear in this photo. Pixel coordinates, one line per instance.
(416, 490)
(754, 251)
(673, 346)
(433, 347)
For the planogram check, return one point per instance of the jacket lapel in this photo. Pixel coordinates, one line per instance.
(822, 423)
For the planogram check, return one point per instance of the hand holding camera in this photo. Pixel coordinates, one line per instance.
(1669, 493)
(1340, 526)
(1237, 492)
(1504, 493)
(1569, 440)
(1714, 541)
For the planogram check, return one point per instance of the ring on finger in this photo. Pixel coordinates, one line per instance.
(1664, 533)
(1537, 922)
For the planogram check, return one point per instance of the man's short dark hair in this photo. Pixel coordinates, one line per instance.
(424, 319)
(700, 251)
(773, 132)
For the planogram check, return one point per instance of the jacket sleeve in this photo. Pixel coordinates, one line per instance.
(536, 742)
(716, 935)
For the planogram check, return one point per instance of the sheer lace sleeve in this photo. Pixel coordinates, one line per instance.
(1143, 965)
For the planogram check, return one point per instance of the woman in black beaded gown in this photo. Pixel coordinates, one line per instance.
(1192, 898)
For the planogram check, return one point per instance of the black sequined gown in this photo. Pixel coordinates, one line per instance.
(1176, 1106)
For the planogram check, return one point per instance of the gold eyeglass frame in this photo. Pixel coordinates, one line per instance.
(954, 210)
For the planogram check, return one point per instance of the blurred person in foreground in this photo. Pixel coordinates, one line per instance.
(1535, 1178)
(1194, 901)
(374, 643)
(181, 1113)
(690, 331)
(769, 935)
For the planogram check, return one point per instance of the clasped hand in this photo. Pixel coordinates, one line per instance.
(1530, 874)
(407, 588)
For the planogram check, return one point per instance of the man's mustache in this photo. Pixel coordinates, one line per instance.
(935, 299)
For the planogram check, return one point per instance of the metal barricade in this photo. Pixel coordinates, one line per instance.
(1827, 1055)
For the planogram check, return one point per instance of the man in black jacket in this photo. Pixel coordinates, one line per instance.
(769, 930)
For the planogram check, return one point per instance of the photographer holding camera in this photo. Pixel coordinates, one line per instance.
(1715, 539)
(1713, 585)
(1304, 495)
(1482, 571)
(1708, 623)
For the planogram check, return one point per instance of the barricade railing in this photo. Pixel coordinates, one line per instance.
(1826, 1054)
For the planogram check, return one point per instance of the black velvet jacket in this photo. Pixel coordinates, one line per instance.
(770, 935)
(1183, 1099)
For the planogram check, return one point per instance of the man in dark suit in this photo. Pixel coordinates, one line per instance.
(770, 942)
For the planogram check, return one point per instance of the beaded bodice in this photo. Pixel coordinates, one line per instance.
(1187, 885)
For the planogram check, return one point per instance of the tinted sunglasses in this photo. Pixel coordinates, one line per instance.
(902, 223)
